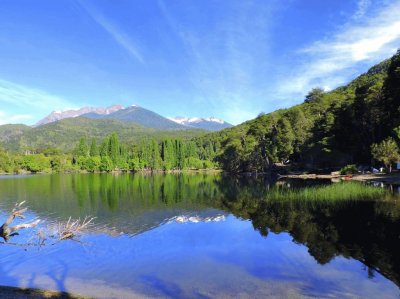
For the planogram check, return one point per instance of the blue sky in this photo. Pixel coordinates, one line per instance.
(230, 59)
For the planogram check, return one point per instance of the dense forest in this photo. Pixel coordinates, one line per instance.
(355, 124)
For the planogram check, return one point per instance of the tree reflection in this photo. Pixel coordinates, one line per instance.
(364, 230)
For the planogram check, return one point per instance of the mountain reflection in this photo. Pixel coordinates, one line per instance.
(367, 231)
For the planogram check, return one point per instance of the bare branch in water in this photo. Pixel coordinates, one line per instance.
(73, 228)
(18, 211)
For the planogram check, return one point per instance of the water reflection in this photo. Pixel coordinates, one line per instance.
(366, 231)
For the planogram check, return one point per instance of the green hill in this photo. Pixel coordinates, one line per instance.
(330, 129)
(65, 134)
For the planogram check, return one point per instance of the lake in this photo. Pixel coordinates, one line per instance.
(200, 236)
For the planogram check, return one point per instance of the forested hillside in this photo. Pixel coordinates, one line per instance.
(64, 134)
(330, 129)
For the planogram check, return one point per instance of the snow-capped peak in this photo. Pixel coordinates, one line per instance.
(68, 113)
(206, 123)
(190, 120)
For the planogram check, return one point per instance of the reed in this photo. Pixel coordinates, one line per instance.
(333, 192)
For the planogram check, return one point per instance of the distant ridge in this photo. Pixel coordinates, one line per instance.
(139, 116)
(59, 115)
(209, 124)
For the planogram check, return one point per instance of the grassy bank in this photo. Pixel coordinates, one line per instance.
(333, 192)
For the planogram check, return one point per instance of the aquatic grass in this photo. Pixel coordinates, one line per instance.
(334, 192)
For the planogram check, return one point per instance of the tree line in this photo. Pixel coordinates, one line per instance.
(110, 154)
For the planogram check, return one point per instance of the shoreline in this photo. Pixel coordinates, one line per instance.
(386, 178)
(8, 292)
(209, 170)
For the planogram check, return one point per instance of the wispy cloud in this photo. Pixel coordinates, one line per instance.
(19, 98)
(11, 119)
(362, 7)
(332, 61)
(225, 57)
(121, 38)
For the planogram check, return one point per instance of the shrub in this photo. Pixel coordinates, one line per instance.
(349, 169)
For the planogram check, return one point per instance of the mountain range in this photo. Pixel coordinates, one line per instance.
(139, 116)
(133, 124)
(59, 115)
(209, 124)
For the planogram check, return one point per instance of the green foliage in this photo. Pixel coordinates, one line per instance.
(387, 152)
(113, 148)
(36, 163)
(314, 95)
(94, 150)
(65, 133)
(92, 164)
(59, 163)
(82, 149)
(349, 169)
(106, 164)
(6, 162)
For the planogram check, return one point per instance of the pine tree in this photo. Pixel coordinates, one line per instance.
(168, 154)
(155, 162)
(104, 148)
(83, 149)
(94, 150)
(114, 148)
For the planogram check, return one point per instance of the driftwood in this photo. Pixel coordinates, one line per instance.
(18, 211)
(72, 228)
(64, 230)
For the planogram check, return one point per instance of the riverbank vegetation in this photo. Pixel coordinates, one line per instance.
(334, 192)
(110, 154)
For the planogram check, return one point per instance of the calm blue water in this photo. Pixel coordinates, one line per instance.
(233, 246)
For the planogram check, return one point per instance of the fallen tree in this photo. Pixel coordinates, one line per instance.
(6, 232)
(69, 230)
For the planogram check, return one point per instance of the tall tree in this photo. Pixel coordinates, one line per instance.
(114, 148)
(387, 152)
(104, 148)
(82, 150)
(94, 150)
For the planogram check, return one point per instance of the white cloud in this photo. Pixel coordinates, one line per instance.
(26, 97)
(119, 36)
(331, 61)
(19, 117)
(18, 98)
(11, 119)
